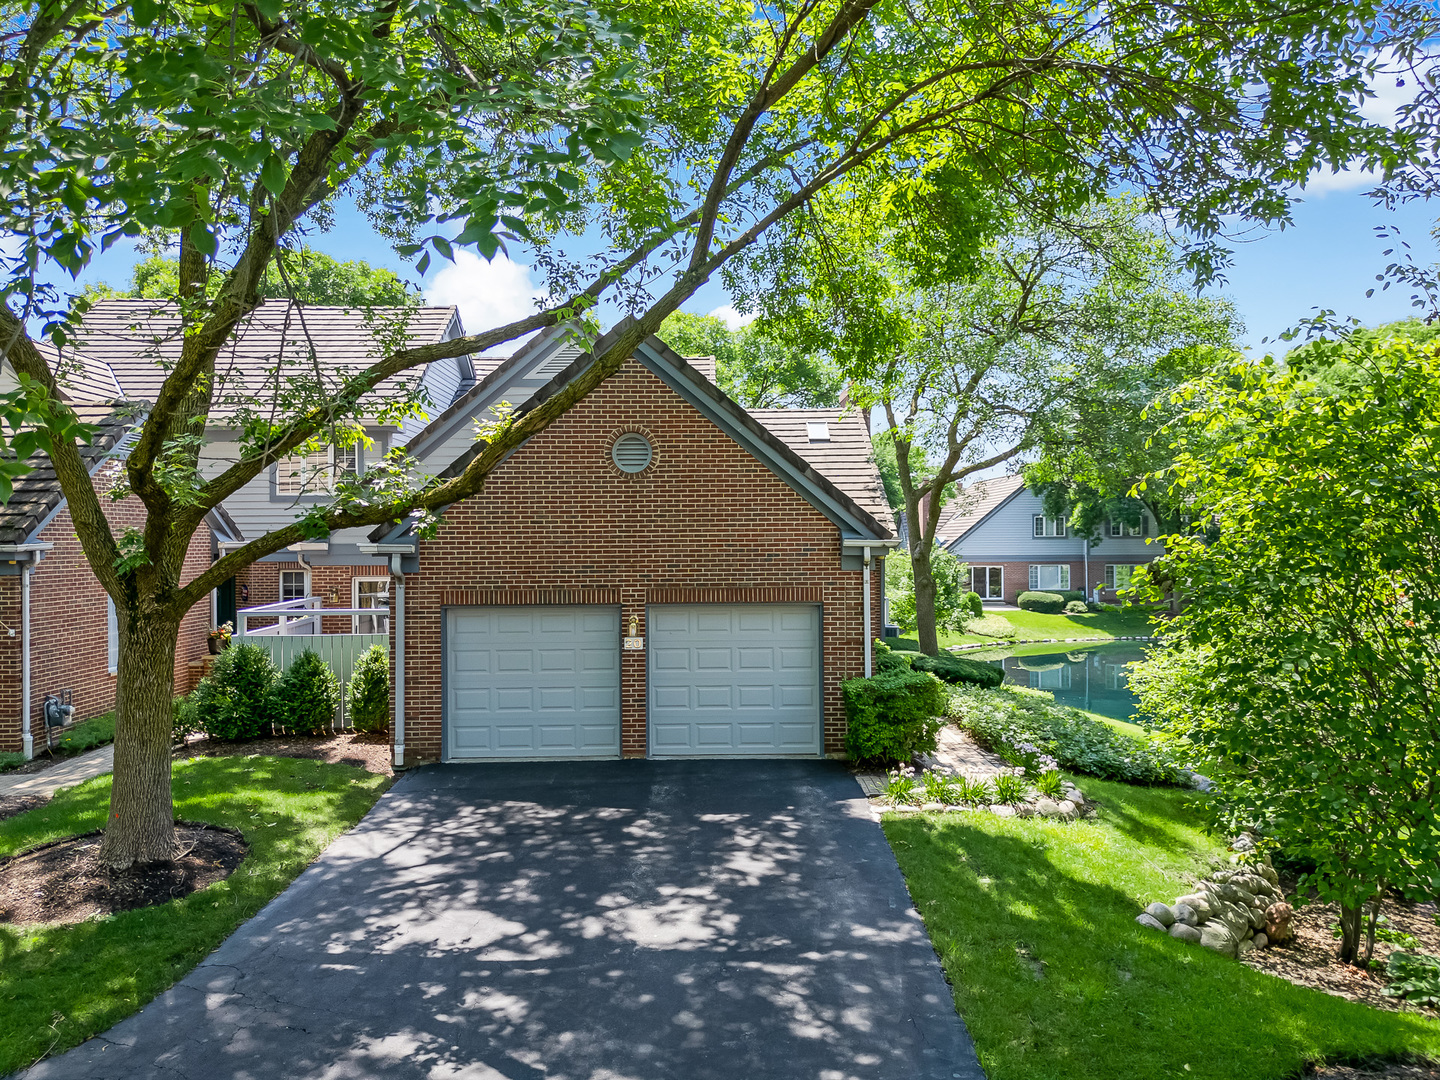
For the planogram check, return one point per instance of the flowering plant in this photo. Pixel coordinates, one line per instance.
(900, 784)
(222, 632)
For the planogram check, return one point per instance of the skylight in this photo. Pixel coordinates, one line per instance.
(817, 430)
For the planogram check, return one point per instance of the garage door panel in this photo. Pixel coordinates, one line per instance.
(533, 682)
(734, 679)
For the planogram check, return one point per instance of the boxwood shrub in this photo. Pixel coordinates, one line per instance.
(232, 702)
(304, 698)
(1017, 722)
(1047, 603)
(893, 715)
(958, 669)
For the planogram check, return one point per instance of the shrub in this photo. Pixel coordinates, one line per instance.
(369, 700)
(304, 698)
(1007, 718)
(953, 608)
(893, 716)
(1077, 607)
(975, 604)
(1047, 603)
(1010, 788)
(958, 669)
(974, 792)
(1073, 594)
(996, 626)
(1050, 784)
(888, 659)
(186, 719)
(232, 701)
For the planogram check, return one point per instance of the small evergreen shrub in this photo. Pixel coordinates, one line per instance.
(958, 669)
(1076, 607)
(304, 699)
(232, 702)
(369, 700)
(893, 716)
(1046, 603)
(975, 604)
(1015, 722)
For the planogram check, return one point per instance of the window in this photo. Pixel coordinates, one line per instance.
(317, 473)
(112, 637)
(1045, 526)
(1054, 578)
(371, 593)
(1142, 529)
(1117, 528)
(988, 581)
(294, 584)
(1117, 576)
(1051, 679)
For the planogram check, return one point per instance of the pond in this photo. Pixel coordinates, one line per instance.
(1089, 677)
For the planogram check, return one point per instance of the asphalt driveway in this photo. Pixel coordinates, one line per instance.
(622, 920)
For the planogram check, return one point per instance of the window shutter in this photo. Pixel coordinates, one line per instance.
(112, 633)
(1034, 577)
(1064, 576)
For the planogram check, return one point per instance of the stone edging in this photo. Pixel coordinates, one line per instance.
(1006, 643)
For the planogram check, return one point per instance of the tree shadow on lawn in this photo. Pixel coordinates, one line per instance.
(1055, 978)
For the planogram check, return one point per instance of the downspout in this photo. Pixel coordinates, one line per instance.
(398, 611)
(27, 741)
(1086, 542)
(867, 611)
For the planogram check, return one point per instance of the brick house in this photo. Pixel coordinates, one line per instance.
(1000, 528)
(57, 626)
(659, 573)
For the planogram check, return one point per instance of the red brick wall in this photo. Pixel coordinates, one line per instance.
(559, 524)
(263, 580)
(1017, 574)
(69, 645)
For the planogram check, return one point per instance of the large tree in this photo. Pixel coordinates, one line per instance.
(978, 371)
(753, 364)
(676, 134)
(306, 276)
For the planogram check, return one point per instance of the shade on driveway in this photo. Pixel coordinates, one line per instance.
(621, 920)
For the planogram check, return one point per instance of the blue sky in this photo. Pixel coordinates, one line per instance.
(1327, 259)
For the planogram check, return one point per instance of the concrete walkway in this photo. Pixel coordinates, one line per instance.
(97, 762)
(630, 920)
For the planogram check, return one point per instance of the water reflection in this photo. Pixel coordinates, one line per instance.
(1091, 678)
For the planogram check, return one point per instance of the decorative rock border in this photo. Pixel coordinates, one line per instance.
(1072, 807)
(1231, 912)
(1005, 643)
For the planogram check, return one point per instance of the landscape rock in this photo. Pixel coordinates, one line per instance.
(1244, 842)
(1243, 948)
(1161, 913)
(1067, 808)
(1001, 810)
(1047, 808)
(1150, 922)
(1217, 936)
(1186, 932)
(1075, 796)
(1260, 941)
(1277, 921)
(1267, 871)
(1198, 902)
(932, 807)
(1186, 915)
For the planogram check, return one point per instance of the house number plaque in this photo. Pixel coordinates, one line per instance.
(632, 643)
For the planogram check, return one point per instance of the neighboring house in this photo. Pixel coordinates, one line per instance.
(57, 626)
(1000, 528)
(658, 573)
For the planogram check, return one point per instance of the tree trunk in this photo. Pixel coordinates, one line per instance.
(924, 600)
(141, 826)
(1352, 921)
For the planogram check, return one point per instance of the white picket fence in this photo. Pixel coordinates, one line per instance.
(299, 629)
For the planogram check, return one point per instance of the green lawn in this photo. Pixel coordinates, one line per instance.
(1035, 924)
(99, 731)
(87, 976)
(1032, 624)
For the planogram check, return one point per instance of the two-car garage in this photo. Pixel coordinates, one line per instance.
(721, 680)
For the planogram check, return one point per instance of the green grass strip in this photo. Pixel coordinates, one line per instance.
(59, 985)
(1034, 922)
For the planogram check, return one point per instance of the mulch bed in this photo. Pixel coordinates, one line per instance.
(369, 752)
(1392, 1070)
(62, 882)
(10, 805)
(1310, 959)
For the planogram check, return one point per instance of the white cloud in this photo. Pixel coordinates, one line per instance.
(1324, 182)
(488, 294)
(731, 317)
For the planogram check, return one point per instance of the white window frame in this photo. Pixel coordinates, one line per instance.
(985, 571)
(355, 601)
(315, 474)
(305, 580)
(1142, 529)
(1064, 577)
(1048, 528)
(1117, 528)
(1112, 576)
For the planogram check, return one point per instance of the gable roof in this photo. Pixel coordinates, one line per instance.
(840, 505)
(976, 503)
(845, 460)
(138, 340)
(37, 495)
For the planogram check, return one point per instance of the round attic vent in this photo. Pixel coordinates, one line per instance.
(631, 452)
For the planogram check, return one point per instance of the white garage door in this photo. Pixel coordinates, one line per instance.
(527, 682)
(734, 679)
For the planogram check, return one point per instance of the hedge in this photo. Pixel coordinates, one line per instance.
(1047, 603)
(893, 715)
(959, 669)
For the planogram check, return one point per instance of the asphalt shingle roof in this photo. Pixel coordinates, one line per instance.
(38, 492)
(140, 340)
(845, 460)
(974, 504)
